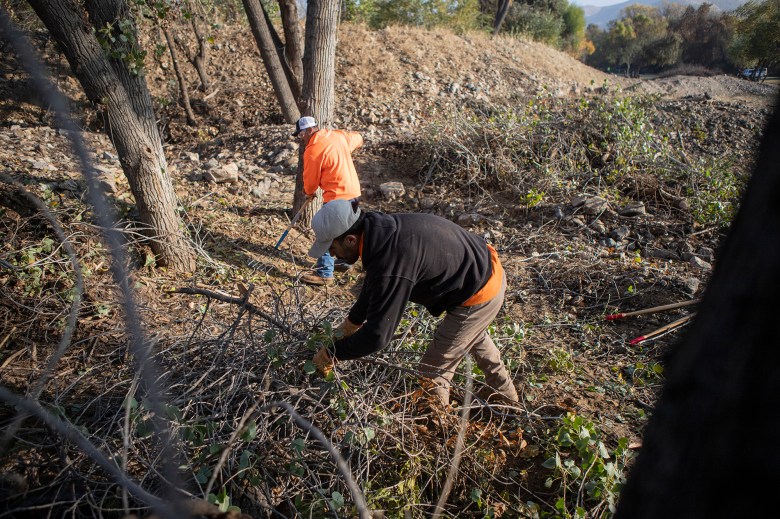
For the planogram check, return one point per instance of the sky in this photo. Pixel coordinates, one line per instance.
(598, 3)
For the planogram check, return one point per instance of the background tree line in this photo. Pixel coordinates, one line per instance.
(643, 37)
(655, 39)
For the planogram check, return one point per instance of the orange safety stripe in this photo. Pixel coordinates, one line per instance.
(492, 286)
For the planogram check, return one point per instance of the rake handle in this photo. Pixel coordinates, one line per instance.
(615, 317)
(294, 220)
(662, 329)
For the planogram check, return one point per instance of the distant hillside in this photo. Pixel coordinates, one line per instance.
(601, 16)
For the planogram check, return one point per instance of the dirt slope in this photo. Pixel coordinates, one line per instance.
(566, 264)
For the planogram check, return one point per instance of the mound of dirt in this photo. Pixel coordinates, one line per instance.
(721, 88)
(392, 81)
(568, 260)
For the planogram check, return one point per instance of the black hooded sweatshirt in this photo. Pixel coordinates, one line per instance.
(417, 257)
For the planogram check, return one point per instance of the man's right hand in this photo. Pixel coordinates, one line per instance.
(345, 329)
(323, 361)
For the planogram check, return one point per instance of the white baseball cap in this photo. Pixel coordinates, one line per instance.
(334, 219)
(303, 123)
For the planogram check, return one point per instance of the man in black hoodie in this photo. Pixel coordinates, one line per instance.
(427, 260)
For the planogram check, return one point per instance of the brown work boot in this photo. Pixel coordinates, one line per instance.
(491, 396)
(316, 279)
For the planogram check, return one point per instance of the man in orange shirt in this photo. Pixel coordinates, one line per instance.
(327, 164)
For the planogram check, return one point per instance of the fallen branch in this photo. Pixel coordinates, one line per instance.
(226, 298)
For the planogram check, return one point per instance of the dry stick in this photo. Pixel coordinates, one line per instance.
(7, 337)
(357, 494)
(105, 218)
(225, 298)
(655, 309)
(212, 94)
(226, 451)
(662, 329)
(126, 438)
(70, 326)
(459, 442)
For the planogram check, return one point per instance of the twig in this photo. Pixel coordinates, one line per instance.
(225, 298)
(212, 94)
(357, 494)
(464, 422)
(126, 437)
(226, 451)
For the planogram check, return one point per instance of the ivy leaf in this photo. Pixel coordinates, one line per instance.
(250, 432)
(337, 500)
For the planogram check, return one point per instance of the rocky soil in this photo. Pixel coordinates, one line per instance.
(569, 260)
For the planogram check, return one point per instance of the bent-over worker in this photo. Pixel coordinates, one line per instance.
(427, 260)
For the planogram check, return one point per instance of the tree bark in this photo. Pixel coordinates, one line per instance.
(279, 46)
(709, 447)
(273, 66)
(502, 8)
(185, 97)
(200, 59)
(319, 72)
(319, 62)
(110, 12)
(293, 43)
(133, 129)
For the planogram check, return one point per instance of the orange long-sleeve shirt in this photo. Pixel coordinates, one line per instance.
(327, 163)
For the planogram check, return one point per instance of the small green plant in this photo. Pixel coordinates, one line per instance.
(714, 190)
(532, 198)
(642, 373)
(581, 460)
(222, 500)
(559, 361)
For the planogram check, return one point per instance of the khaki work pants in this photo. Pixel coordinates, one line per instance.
(462, 331)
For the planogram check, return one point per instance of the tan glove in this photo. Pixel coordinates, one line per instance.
(345, 329)
(323, 361)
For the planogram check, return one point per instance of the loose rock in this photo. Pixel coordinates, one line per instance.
(392, 190)
(633, 209)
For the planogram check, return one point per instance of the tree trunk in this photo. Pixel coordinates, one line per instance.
(271, 60)
(319, 62)
(293, 42)
(109, 12)
(279, 46)
(185, 97)
(709, 448)
(502, 8)
(133, 128)
(200, 59)
(319, 71)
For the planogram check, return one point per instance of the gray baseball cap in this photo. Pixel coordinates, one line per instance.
(334, 219)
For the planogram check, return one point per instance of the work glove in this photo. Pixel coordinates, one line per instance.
(323, 361)
(345, 329)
